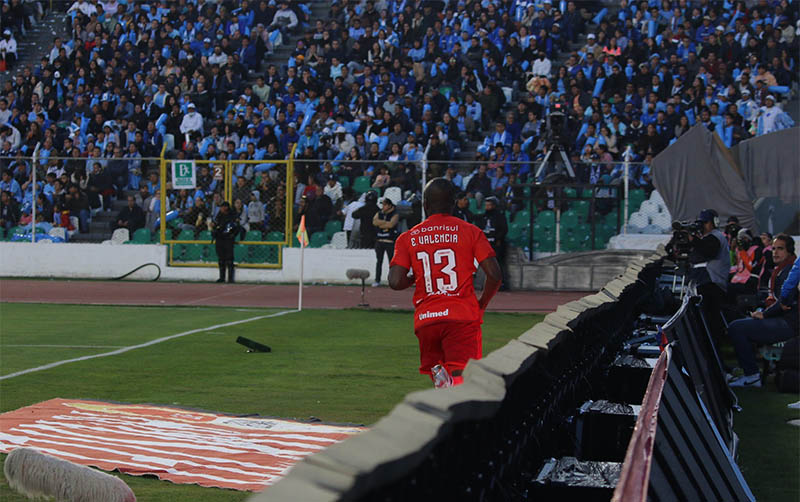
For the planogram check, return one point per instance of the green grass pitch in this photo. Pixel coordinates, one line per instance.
(335, 365)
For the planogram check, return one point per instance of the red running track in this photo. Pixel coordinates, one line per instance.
(247, 295)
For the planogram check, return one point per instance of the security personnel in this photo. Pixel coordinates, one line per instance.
(710, 261)
(226, 227)
(385, 222)
(461, 209)
(495, 226)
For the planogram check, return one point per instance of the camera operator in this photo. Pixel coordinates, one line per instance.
(709, 258)
(731, 232)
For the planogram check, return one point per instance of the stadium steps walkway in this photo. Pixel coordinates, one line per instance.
(37, 42)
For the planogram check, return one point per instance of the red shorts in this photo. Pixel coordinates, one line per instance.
(451, 344)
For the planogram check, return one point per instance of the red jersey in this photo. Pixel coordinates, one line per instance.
(443, 251)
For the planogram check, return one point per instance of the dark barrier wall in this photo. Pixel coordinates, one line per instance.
(485, 439)
(676, 452)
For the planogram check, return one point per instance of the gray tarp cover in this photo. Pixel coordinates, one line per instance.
(770, 165)
(698, 172)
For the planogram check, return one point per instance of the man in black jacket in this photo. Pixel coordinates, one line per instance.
(495, 226)
(461, 209)
(225, 230)
(364, 214)
(131, 216)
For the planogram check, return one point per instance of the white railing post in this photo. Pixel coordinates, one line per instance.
(424, 168)
(626, 184)
(33, 188)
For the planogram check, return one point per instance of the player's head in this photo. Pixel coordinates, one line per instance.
(439, 196)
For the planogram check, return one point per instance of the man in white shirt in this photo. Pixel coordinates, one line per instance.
(5, 113)
(219, 57)
(542, 65)
(192, 122)
(333, 189)
(769, 116)
(110, 7)
(349, 221)
(11, 134)
(87, 8)
(8, 49)
(58, 44)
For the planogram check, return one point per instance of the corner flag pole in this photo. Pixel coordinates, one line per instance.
(302, 236)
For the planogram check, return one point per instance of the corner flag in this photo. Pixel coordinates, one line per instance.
(302, 235)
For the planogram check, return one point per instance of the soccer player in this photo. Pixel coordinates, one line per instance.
(441, 252)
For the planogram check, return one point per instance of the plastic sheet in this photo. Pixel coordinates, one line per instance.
(573, 472)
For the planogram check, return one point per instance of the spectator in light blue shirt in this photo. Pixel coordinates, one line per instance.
(9, 184)
(417, 53)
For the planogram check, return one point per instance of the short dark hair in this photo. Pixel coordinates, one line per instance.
(787, 239)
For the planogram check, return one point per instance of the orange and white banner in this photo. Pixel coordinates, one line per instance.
(181, 446)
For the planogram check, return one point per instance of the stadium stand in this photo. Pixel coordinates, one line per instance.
(347, 81)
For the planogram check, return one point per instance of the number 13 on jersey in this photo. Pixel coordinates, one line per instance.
(445, 278)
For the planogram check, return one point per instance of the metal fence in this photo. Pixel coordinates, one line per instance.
(258, 195)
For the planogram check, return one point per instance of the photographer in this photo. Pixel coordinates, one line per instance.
(709, 259)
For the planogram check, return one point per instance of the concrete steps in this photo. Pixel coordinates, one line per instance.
(37, 42)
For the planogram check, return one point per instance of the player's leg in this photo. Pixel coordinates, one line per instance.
(430, 348)
(461, 342)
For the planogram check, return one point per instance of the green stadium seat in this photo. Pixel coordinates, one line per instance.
(344, 181)
(569, 219)
(205, 235)
(271, 253)
(546, 217)
(141, 236)
(570, 243)
(611, 219)
(186, 235)
(587, 193)
(332, 227)
(523, 216)
(515, 230)
(474, 208)
(256, 254)
(361, 184)
(253, 236)
(582, 208)
(274, 236)
(318, 239)
(193, 252)
(156, 237)
(178, 250)
(240, 252)
(570, 192)
(176, 223)
(210, 253)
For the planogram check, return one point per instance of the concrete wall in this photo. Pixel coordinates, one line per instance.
(105, 261)
(587, 271)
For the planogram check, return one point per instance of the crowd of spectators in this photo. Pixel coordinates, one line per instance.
(373, 85)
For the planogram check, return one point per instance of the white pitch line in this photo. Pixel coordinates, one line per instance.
(66, 346)
(142, 345)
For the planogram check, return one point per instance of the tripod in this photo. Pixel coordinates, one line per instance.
(555, 147)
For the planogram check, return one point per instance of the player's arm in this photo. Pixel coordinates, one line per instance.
(400, 265)
(399, 278)
(494, 278)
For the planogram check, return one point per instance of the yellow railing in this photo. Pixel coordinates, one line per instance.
(227, 178)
